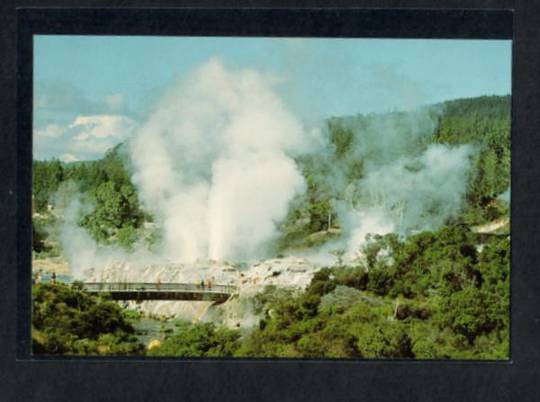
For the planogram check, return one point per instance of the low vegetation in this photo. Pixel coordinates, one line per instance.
(436, 298)
(66, 320)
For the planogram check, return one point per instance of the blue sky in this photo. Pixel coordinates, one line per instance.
(91, 92)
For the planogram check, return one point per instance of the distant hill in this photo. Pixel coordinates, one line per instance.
(482, 121)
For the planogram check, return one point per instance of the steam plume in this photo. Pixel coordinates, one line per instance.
(213, 164)
(404, 185)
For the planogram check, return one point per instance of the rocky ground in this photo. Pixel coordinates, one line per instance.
(287, 272)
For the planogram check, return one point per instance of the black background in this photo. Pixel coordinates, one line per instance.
(153, 380)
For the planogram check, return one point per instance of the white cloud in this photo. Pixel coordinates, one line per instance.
(68, 158)
(86, 137)
(94, 135)
(102, 126)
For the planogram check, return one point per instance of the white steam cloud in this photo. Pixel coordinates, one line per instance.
(213, 163)
(80, 249)
(412, 193)
(405, 185)
(215, 166)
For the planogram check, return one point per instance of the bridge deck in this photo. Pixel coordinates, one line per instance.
(163, 291)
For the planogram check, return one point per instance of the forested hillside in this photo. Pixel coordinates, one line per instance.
(486, 122)
(117, 216)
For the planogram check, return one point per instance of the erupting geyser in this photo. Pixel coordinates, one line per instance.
(213, 164)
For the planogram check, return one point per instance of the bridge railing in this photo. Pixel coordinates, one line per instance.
(155, 287)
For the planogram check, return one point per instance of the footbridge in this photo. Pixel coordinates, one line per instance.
(161, 291)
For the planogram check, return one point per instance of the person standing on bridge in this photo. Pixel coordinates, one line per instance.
(158, 284)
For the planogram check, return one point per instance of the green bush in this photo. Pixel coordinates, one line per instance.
(198, 340)
(66, 320)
